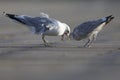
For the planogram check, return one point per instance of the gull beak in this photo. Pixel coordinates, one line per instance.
(67, 37)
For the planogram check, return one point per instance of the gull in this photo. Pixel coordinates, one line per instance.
(43, 25)
(90, 29)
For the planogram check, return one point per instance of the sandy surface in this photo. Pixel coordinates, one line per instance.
(23, 56)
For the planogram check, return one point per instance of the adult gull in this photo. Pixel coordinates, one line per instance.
(43, 25)
(90, 29)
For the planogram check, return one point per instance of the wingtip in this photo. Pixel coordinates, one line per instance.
(110, 16)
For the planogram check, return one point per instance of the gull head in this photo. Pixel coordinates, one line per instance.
(66, 32)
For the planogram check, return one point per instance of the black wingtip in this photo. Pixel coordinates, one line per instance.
(12, 16)
(112, 17)
(9, 15)
(109, 18)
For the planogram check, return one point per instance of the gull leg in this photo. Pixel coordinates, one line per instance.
(45, 42)
(62, 37)
(93, 37)
(68, 37)
(90, 40)
(87, 43)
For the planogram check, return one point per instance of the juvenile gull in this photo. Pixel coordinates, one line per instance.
(43, 25)
(90, 29)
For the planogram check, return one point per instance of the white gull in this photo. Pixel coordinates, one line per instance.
(43, 25)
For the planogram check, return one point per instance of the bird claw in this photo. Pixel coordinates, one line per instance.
(90, 46)
(87, 46)
(46, 45)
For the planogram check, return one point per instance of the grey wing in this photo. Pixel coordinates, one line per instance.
(40, 24)
(36, 24)
(24, 19)
(88, 27)
(34, 21)
(83, 30)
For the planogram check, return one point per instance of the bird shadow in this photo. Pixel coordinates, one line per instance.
(13, 49)
(27, 46)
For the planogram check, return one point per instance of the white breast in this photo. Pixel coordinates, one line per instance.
(99, 28)
(56, 30)
(61, 28)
